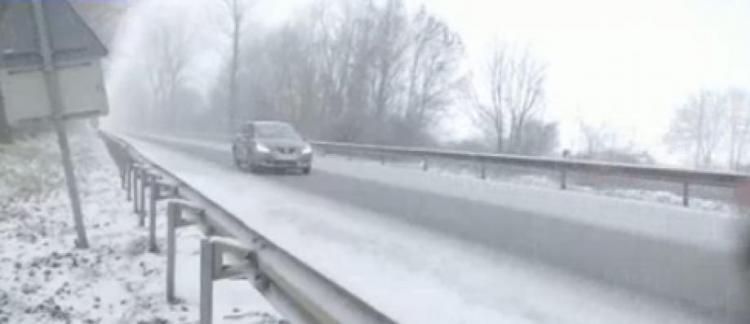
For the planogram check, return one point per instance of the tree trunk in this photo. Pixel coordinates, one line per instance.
(233, 73)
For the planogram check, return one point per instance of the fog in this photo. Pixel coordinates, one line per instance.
(623, 67)
(375, 161)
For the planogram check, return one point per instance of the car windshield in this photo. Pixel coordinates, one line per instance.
(276, 131)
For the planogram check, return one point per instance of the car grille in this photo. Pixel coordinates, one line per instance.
(285, 150)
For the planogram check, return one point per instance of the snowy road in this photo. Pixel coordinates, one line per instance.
(381, 233)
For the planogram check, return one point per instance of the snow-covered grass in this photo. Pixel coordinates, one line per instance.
(44, 279)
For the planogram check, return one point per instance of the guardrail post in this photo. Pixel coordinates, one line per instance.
(155, 192)
(213, 268)
(173, 216)
(142, 191)
(175, 220)
(564, 171)
(123, 174)
(208, 264)
(130, 181)
(136, 180)
(685, 194)
(482, 170)
(425, 164)
(382, 159)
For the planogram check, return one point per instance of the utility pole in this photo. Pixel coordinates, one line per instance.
(53, 93)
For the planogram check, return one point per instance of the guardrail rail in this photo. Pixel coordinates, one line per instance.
(685, 177)
(231, 249)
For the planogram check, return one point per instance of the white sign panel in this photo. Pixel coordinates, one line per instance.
(81, 88)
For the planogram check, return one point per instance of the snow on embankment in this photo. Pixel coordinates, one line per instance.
(43, 279)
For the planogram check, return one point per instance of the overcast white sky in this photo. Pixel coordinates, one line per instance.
(626, 63)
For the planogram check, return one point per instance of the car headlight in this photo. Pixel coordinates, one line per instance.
(262, 148)
(307, 149)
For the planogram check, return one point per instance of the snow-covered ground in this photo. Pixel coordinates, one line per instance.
(43, 279)
(413, 274)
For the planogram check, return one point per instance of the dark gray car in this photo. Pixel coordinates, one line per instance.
(271, 145)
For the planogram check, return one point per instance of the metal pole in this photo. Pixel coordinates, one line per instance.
(129, 180)
(123, 171)
(425, 164)
(135, 189)
(686, 194)
(173, 214)
(155, 192)
(55, 100)
(208, 259)
(482, 170)
(142, 199)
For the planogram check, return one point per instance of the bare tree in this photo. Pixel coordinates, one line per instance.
(526, 94)
(434, 75)
(739, 126)
(491, 117)
(237, 12)
(166, 65)
(516, 92)
(698, 127)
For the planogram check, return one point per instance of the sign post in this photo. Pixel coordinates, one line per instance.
(50, 71)
(53, 94)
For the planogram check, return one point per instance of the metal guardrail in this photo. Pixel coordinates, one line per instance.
(231, 249)
(563, 166)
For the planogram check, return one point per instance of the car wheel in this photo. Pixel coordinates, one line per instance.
(306, 170)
